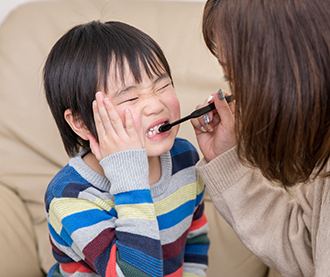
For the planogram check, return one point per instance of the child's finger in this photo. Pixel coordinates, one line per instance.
(130, 126)
(103, 112)
(97, 118)
(114, 119)
(131, 132)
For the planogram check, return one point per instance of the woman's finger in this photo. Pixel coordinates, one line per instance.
(223, 108)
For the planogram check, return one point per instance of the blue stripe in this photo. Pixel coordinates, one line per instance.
(102, 260)
(64, 177)
(197, 259)
(149, 246)
(173, 264)
(133, 197)
(147, 264)
(197, 248)
(199, 197)
(52, 269)
(174, 217)
(199, 211)
(57, 238)
(184, 160)
(180, 146)
(63, 259)
(84, 219)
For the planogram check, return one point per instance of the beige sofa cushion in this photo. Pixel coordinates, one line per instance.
(30, 146)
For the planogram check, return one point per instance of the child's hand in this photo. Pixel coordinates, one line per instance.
(218, 135)
(113, 136)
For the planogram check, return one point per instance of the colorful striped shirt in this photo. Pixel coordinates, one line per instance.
(119, 225)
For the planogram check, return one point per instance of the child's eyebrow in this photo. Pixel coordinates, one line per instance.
(154, 82)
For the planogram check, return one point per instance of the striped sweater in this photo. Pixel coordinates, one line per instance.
(122, 226)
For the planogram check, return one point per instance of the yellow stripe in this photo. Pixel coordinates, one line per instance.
(140, 211)
(106, 205)
(200, 185)
(63, 207)
(190, 275)
(186, 193)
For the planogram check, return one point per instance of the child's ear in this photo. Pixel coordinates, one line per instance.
(76, 124)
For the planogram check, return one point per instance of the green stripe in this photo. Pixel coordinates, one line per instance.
(201, 239)
(129, 270)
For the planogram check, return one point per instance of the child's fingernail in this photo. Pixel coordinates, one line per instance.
(210, 98)
(206, 118)
(220, 94)
(94, 103)
(98, 95)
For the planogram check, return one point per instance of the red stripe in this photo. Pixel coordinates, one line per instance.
(196, 224)
(173, 249)
(75, 267)
(178, 273)
(111, 267)
(98, 245)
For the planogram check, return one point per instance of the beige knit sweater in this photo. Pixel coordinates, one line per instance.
(291, 235)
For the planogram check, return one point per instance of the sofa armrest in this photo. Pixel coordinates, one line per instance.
(18, 253)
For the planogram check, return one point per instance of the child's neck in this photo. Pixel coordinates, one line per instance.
(155, 170)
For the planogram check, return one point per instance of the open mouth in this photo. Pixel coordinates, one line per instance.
(154, 130)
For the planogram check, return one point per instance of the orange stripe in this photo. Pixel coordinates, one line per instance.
(196, 224)
(75, 267)
(111, 267)
(177, 273)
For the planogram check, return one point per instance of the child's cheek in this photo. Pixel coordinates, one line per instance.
(175, 108)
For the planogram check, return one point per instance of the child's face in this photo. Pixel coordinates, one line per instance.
(153, 102)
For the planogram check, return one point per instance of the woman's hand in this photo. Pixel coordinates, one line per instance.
(217, 136)
(113, 136)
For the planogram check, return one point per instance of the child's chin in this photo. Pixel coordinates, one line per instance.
(161, 148)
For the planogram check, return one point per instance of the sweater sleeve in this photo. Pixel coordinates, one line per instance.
(273, 226)
(119, 239)
(197, 245)
(139, 250)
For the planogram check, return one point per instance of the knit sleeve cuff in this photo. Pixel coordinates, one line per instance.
(222, 172)
(127, 170)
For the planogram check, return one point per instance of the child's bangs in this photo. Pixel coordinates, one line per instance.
(137, 63)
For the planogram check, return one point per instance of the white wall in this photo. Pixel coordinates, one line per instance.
(6, 6)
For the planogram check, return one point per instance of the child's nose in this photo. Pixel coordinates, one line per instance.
(153, 105)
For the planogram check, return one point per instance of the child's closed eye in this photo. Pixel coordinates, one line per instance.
(162, 89)
(129, 100)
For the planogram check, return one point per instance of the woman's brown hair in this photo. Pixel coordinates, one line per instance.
(276, 57)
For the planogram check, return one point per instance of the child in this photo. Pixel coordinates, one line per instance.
(129, 203)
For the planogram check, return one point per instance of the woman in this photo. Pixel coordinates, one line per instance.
(276, 57)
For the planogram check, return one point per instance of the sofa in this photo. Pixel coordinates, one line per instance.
(31, 150)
